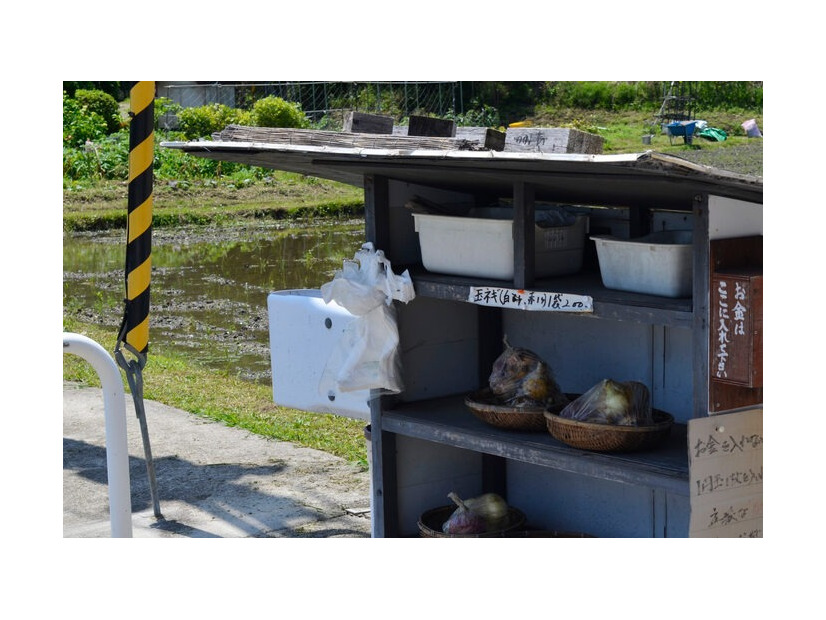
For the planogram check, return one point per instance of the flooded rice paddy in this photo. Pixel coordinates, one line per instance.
(209, 285)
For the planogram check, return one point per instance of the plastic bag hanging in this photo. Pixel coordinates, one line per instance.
(366, 356)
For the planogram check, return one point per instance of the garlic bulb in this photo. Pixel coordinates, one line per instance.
(489, 507)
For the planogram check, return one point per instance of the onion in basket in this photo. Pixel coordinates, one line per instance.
(520, 378)
(612, 402)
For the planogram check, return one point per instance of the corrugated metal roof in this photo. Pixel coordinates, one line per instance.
(644, 179)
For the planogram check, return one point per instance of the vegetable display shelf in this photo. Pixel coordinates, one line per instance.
(447, 421)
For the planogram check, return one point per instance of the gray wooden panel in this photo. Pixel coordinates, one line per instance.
(558, 500)
(439, 347)
(430, 471)
(583, 352)
(404, 240)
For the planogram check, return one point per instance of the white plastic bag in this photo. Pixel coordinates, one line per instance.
(367, 356)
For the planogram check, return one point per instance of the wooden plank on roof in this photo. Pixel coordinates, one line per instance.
(313, 137)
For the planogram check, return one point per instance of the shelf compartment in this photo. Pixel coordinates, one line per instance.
(447, 421)
(608, 303)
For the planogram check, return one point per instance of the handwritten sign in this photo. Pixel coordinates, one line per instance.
(529, 300)
(737, 319)
(729, 320)
(726, 475)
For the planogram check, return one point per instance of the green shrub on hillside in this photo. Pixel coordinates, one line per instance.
(276, 112)
(103, 104)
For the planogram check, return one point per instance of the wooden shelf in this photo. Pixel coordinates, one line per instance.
(447, 421)
(608, 303)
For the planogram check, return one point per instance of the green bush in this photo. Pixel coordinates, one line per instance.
(273, 111)
(203, 121)
(103, 104)
(80, 124)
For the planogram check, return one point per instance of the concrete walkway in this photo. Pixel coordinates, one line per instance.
(212, 480)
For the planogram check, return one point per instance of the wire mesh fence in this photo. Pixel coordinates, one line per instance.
(322, 99)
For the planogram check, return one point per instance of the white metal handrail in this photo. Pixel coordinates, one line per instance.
(114, 410)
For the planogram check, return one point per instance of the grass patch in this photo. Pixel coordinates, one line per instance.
(177, 382)
(623, 132)
(102, 205)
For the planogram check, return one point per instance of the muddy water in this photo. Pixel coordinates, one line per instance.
(209, 286)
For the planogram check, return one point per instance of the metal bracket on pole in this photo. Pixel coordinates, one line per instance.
(134, 376)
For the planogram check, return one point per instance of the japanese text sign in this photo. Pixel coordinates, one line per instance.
(725, 457)
(529, 300)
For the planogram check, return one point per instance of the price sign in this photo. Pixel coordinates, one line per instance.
(529, 300)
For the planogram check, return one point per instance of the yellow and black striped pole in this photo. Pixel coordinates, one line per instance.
(134, 330)
(135, 327)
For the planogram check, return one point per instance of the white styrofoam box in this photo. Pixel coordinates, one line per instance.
(304, 331)
(656, 264)
(481, 244)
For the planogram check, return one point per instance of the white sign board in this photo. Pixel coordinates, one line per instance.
(725, 461)
(529, 300)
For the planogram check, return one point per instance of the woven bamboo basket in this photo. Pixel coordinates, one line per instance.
(485, 406)
(609, 437)
(431, 521)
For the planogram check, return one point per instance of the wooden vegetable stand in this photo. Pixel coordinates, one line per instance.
(425, 441)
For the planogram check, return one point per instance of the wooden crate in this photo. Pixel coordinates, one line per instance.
(361, 122)
(552, 140)
(491, 139)
(431, 127)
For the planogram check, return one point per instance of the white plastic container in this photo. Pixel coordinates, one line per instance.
(304, 331)
(656, 264)
(481, 244)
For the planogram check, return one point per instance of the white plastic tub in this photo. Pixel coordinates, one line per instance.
(656, 264)
(481, 244)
